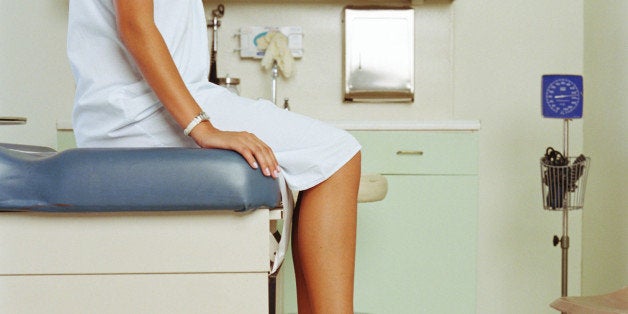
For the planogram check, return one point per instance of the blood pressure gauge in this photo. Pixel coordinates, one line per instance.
(562, 96)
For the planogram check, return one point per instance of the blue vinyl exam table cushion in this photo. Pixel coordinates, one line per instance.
(34, 178)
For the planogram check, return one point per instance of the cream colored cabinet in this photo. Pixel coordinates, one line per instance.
(416, 249)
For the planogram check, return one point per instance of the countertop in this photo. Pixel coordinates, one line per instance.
(407, 125)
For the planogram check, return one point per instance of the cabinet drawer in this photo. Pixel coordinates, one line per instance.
(134, 243)
(419, 152)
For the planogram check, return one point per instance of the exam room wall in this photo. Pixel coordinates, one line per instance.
(605, 221)
(315, 88)
(487, 59)
(35, 78)
(502, 48)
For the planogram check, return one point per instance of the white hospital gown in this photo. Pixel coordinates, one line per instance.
(114, 107)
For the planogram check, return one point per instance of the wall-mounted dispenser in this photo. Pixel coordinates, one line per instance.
(378, 54)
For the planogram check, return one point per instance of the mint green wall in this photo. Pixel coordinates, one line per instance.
(605, 219)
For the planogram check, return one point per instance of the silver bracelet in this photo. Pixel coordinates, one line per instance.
(196, 121)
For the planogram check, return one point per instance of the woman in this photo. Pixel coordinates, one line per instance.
(141, 72)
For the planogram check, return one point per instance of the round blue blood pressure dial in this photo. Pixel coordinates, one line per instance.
(562, 96)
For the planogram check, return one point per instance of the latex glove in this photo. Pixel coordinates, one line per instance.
(276, 49)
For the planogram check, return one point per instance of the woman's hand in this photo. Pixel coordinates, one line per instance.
(255, 151)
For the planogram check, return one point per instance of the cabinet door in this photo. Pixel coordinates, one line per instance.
(416, 250)
(424, 153)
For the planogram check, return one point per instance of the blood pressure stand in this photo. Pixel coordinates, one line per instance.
(563, 183)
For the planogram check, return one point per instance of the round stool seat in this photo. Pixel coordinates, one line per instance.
(373, 188)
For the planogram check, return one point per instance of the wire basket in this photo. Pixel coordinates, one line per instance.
(563, 186)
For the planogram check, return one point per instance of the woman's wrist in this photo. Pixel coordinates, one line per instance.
(195, 122)
(204, 133)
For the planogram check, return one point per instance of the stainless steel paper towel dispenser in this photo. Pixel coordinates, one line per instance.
(378, 54)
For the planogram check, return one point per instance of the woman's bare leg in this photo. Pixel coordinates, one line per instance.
(324, 242)
(303, 301)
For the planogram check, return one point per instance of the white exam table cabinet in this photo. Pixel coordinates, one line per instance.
(103, 231)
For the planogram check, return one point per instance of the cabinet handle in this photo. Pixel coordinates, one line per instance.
(410, 152)
(12, 120)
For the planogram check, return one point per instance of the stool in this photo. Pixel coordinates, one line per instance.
(614, 302)
(146, 230)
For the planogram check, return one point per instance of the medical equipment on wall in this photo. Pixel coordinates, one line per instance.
(378, 54)
(276, 46)
(563, 178)
(231, 83)
(250, 40)
(215, 24)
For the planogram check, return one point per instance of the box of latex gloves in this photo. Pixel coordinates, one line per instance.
(254, 40)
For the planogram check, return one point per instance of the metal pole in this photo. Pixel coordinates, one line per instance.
(566, 138)
(564, 241)
(215, 23)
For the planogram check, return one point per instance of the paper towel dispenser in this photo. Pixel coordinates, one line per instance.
(378, 54)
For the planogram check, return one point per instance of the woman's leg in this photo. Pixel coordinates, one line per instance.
(324, 242)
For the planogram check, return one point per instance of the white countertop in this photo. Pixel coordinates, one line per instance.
(431, 125)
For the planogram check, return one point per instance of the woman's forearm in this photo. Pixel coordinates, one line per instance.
(143, 40)
(138, 32)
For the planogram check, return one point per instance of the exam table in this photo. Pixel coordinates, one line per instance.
(146, 230)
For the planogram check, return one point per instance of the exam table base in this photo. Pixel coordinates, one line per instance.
(184, 262)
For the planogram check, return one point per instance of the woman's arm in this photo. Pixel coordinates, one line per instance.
(137, 29)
